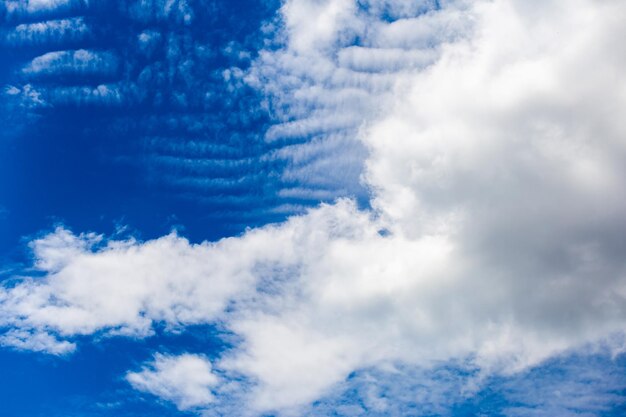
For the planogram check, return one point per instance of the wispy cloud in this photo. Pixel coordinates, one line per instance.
(49, 32)
(21, 9)
(78, 62)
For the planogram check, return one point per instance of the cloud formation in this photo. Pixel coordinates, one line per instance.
(495, 237)
(185, 380)
(168, 86)
(78, 62)
(55, 32)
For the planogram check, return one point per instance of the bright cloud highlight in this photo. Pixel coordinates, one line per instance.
(186, 380)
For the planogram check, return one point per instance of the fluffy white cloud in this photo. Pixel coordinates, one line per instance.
(496, 234)
(127, 288)
(185, 380)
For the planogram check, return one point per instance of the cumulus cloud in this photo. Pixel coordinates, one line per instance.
(177, 291)
(495, 237)
(185, 380)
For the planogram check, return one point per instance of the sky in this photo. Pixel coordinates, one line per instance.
(312, 208)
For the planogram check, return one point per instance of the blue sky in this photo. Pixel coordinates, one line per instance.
(109, 148)
(312, 208)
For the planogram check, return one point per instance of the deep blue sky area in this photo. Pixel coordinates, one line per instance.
(90, 164)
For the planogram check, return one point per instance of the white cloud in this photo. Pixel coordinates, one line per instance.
(316, 24)
(33, 7)
(79, 62)
(186, 380)
(36, 341)
(48, 32)
(497, 171)
(126, 290)
(26, 96)
(339, 59)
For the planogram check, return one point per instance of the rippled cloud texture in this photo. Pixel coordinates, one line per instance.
(490, 136)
